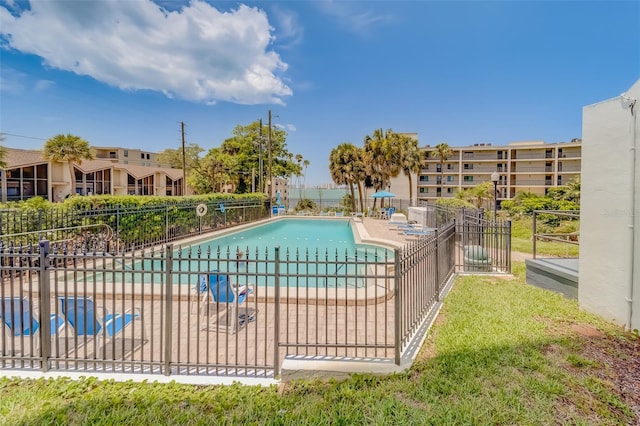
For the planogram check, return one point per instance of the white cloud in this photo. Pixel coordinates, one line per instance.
(11, 80)
(351, 16)
(290, 33)
(197, 53)
(287, 127)
(42, 85)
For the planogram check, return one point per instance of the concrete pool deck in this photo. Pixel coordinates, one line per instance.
(198, 339)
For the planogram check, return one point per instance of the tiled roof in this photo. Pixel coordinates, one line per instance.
(88, 166)
(22, 157)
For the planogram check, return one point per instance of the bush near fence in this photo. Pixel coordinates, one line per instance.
(134, 221)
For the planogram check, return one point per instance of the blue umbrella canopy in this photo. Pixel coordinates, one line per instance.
(383, 194)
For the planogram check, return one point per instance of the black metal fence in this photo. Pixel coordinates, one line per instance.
(116, 229)
(226, 312)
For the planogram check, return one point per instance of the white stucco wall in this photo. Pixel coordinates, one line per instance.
(607, 235)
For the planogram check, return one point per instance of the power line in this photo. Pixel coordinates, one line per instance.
(23, 136)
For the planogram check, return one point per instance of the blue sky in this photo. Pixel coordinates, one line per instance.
(126, 73)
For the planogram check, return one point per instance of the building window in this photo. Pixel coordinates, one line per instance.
(148, 157)
(468, 166)
(548, 153)
(449, 178)
(449, 166)
(424, 178)
(112, 154)
(126, 153)
(449, 190)
(468, 178)
(424, 190)
(499, 155)
(142, 155)
(467, 154)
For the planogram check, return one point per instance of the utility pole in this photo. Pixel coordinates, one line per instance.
(270, 178)
(184, 164)
(260, 168)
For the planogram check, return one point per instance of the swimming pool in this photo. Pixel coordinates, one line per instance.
(314, 252)
(291, 234)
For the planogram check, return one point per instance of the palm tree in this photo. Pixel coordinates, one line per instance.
(3, 154)
(381, 154)
(482, 193)
(69, 148)
(360, 174)
(3, 157)
(410, 160)
(341, 166)
(443, 151)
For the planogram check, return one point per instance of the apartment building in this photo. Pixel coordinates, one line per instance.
(531, 166)
(29, 174)
(135, 157)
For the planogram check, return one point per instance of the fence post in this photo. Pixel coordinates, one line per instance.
(535, 231)
(166, 223)
(397, 305)
(168, 323)
(276, 314)
(508, 246)
(118, 228)
(45, 308)
(437, 240)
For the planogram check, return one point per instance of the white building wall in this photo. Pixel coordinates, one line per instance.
(609, 239)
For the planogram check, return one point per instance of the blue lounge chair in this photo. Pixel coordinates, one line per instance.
(231, 297)
(419, 232)
(81, 314)
(18, 318)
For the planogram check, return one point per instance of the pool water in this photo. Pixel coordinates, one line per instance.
(291, 234)
(325, 251)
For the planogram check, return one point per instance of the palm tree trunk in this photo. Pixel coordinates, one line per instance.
(410, 191)
(73, 178)
(361, 196)
(353, 197)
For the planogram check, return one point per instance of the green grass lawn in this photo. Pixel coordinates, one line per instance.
(522, 241)
(501, 352)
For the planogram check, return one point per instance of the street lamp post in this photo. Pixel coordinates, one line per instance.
(260, 171)
(269, 164)
(495, 177)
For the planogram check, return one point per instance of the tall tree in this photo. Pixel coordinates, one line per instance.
(173, 157)
(247, 153)
(442, 151)
(3, 154)
(69, 148)
(410, 160)
(381, 157)
(342, 160)
(481, 194)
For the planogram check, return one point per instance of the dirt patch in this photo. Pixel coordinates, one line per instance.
(619, 357)
(587, 331)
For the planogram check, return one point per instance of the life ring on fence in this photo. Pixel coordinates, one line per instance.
(201, 209)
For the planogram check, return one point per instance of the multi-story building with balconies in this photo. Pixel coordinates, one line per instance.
(533, 166)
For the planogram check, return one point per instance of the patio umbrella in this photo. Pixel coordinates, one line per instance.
(383, 194)
(278, 202)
